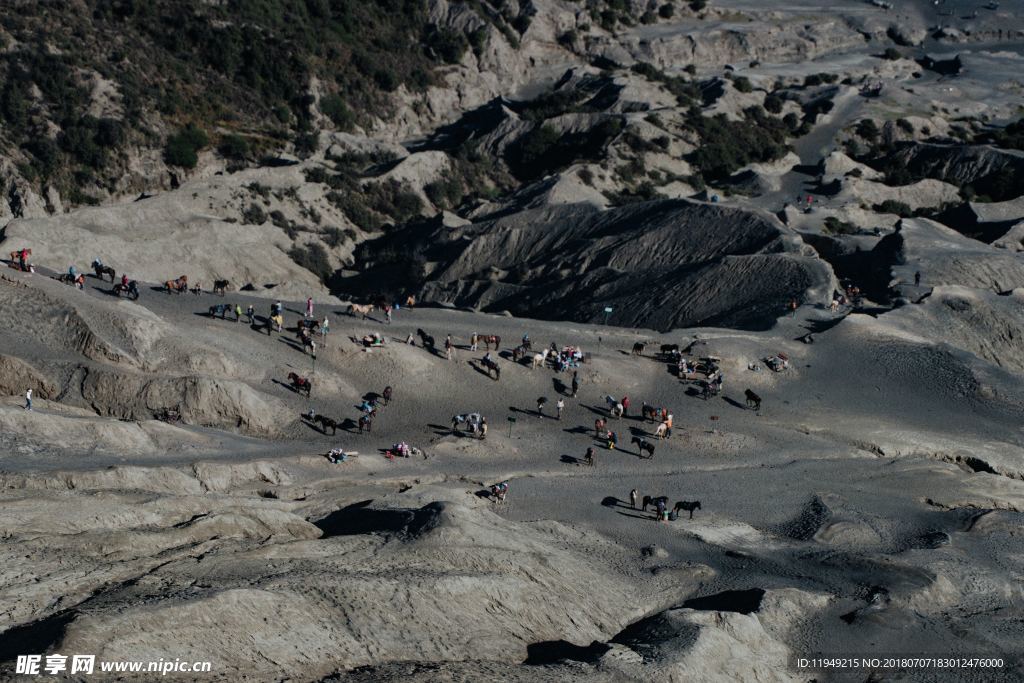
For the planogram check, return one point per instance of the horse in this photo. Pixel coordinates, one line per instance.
(365, 423)
(539, 359)
(669, 349)
(219, 309)
(662, 430)
(300, 383)
(220, 286)
(426, 339)
(309, 344)
(131, 289)
(653, 500)
(177, 286)
(16, 255)
(362, 309)
(711, 388)
(326, 422)
(102, 270)
(614, 407)
(687, 505)
(489, 339)
(753, 400)
(638, 348)
(492, 364)
(648, 412)
(642, 445)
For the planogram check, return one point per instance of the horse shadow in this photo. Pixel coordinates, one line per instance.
(524, 411)
(473, 364)
(734, 403)
(482, 493)
(507, 355)
(286, 385)
(570, 460)
(293, 344)
(348, 425)
(693, 391)
(578, 430)
(639, 431)
(597, 410)
(104, 290)
(634, 515)
(371, 396)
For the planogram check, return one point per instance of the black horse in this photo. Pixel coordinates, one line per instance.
(689, 506)
(326, 422)
(491, 365)
(426, 339)
(220, 286)
(753, 400)
(102, 270)
(642, 445)
(132, 289)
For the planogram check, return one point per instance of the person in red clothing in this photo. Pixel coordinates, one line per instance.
(625, 405)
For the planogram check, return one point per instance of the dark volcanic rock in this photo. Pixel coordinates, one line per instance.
(663, 264)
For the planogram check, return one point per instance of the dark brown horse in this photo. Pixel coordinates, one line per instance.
(489, 339)
(326, 422)
(102, 270)
(300, 383)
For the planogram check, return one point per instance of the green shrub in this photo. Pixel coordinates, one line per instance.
(666, 11)
(892, 206)
(183, 147)
(313, 257)
(335, 109)
(892, 54)
(254, 215)
(742, 83)
(307, 144)
(837, 227)
(868, 129)
(726, 146)
(233, 146)
(698, 5)
(820, 79)
(447, 44)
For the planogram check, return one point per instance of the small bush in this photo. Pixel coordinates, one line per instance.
(233, 146)
(837, 227)
(901, 209)
(333, 237)
(183, 147)
(254, 215)
(313, 257)
(892, 54)
(648, 17)
(868, 130)
(698, 5)
(666, 11)
(306, 144)
(742, 83)
(905, 125)
(820, 79)
(587, 176)
(334, 108)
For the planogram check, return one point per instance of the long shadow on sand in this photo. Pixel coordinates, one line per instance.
(636, 514)
(570, 460)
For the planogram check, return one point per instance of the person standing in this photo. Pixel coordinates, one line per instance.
(387, 314)
(238, 312)
(632, 498)
(250, 312)
(474, 341)
(449, 348)
(28, 400)
(541, 402)
(625, 406)
(309, 307)
(575, 383)
(589, 457)
(917, 278)
(325, 327)
(559, 407)
(612, 440)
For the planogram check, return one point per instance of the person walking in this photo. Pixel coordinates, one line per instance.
(238, 312)
(589, 457)
(474, 341)
(309, 307)
(541, 402)
(28, 400)
(917, 278)
(575, 383)
(387, 314)
(632, 498)
(625, 406)
(325, 328)
(449, 347)
(559, 407)
(250, 313)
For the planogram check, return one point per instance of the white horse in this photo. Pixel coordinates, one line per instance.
(661, 430)
(539, 359)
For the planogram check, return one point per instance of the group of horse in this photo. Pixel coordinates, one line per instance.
(368, 407)
(660, 503)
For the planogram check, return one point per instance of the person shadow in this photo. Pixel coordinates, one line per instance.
(570, 460)
(560, 387)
